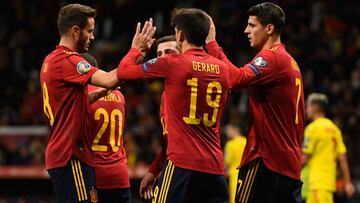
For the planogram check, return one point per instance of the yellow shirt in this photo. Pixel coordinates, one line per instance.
(233, 151)
(323, 142)
(304, 178)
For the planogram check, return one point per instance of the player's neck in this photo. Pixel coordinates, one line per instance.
(272, 40)
(186, 46)
(318, 115)
(69, 43)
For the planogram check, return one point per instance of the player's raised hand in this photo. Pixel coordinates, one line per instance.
(143, 38)
(212, 32)
(146, 186)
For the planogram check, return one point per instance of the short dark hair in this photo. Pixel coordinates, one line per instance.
(193, 22)
(269, 13)
(168, 38)
(74, 14)
(90, 58)
(321, 100)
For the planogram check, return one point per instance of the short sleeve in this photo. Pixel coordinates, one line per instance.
(310, 140)
(156, 68)
(77, 70)
(341, 148)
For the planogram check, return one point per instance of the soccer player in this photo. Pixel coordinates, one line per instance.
(271, 163)
(64, 76)
(196, 89)
(233, 151)
(323, 146)
(164, 46)
(107, 122)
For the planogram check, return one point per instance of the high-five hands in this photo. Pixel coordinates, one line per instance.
(144, 39)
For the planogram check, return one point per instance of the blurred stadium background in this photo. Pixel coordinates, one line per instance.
(322, 35)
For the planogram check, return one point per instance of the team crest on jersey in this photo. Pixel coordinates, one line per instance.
(260, 62)
(83, 67)
(93, 195)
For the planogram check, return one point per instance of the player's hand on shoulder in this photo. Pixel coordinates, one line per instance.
(146, 186)
(143, 38)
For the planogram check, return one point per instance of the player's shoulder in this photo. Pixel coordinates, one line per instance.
(264, 58)
(267, 53)
(274, 53)
(323, 125)
(311, 127)
(331, 125)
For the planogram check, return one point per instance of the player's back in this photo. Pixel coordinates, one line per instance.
(63, 76)
(107, 122)
(328, 144)
(196, 93)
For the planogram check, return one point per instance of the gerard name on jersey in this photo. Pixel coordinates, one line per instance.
(206, 67)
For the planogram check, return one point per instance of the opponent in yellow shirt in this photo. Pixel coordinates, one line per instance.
(323, 146)
(233, 151)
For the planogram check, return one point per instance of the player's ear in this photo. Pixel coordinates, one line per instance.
(75, 30)
(270, 28)
(181, 36)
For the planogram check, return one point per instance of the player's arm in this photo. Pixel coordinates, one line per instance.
(97, 94)
(142, 41)
(259, 71)
(344, 167)
(308, 145)
(154, 170)
(305, 159)
(252, 73)
(105, 79)
(147, 183)
(212, 46)
(157, 164)
(157, 68)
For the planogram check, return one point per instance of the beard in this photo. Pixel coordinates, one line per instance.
(81, 44)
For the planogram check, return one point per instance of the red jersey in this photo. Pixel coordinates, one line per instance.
(197, 87)
(157, 165)
(277, 110)
(64, 75)
(107, 121)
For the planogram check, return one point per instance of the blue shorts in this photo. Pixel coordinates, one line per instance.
(257, 184)
(74, 182)
(178, 185)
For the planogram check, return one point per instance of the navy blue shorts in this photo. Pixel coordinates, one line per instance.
(182, 185)
(74, 182)
(118, 195)
(257, 184)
